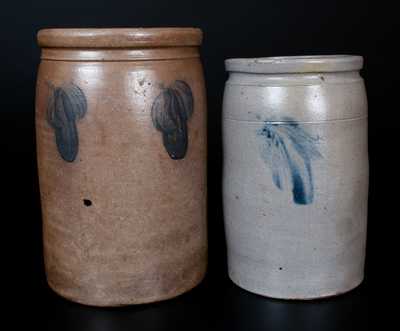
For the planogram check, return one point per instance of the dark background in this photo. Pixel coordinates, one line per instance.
(231, 29)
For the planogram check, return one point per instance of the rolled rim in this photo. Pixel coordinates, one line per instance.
(119, 37)
(295, 64)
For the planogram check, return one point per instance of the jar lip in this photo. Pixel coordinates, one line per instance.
(119, 37)
(295, 64)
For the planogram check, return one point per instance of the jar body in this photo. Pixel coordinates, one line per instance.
(295, 182)
(124, 218)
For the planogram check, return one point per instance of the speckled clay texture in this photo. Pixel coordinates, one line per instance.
(124, 221)
(295, 177)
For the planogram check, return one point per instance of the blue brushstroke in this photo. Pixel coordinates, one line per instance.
(288, 149)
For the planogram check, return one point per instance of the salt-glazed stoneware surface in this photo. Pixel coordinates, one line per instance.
(295, 181)
(121, 147)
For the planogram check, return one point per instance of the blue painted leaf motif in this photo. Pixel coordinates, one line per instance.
(67, 104)
(288, 149)
(170, 112)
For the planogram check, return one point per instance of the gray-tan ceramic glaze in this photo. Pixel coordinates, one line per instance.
(121, 151)
(295, 181)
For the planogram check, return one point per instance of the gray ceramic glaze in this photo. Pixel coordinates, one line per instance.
(295, 181)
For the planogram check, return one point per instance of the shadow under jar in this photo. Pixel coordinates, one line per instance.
(295, 178)
(121, 149)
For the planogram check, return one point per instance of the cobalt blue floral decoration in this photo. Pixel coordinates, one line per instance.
(288, 149)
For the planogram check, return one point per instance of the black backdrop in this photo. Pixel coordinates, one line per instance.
(244, 28)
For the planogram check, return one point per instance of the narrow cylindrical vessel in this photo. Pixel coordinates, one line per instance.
(295, 179)
(121, 148)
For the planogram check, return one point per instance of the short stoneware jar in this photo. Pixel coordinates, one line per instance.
(121, 149)
(295, 175)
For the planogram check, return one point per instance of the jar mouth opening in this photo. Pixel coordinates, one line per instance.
(295, 64)
(119, 37)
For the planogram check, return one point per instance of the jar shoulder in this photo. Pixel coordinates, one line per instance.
(311, 97)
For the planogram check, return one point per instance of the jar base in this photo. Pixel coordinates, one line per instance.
(129, 302)
(329, 294)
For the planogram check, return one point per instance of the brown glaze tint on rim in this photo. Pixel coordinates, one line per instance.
(119, 38)
(295, 64)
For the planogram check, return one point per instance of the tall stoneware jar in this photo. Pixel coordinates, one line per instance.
(295, 179)
(121, 149)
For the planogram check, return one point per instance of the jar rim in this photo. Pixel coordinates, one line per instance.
(295, 64)
(119, 37)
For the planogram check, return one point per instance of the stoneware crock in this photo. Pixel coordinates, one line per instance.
(121, 148)
(295, 181)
